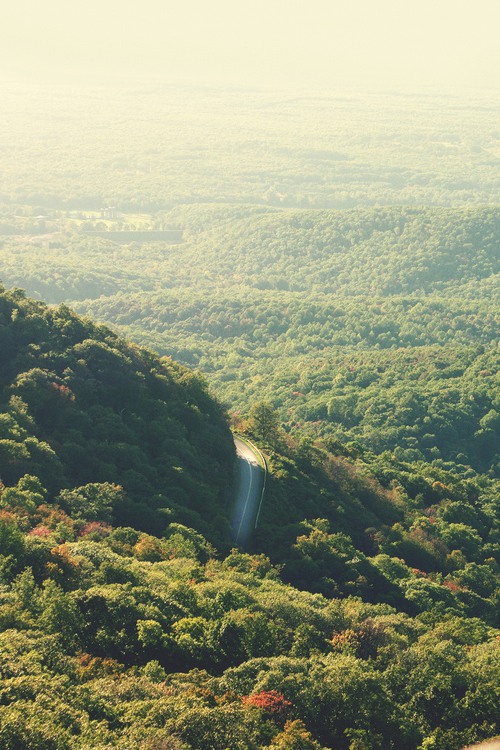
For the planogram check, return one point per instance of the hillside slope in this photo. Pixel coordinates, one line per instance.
(384, 593)
(79, 405)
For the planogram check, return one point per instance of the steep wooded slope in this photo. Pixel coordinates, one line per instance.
(80, 405)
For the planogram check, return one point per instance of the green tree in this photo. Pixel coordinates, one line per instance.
(294, 737)
(60, 615)
(92, 502)
(264, 424)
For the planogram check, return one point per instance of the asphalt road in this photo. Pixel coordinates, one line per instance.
(249, 493)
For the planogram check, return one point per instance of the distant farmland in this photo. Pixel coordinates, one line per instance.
(171, 236)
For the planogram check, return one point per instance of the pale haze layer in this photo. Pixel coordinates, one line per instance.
(392, 44)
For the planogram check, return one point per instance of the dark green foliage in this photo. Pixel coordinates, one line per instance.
(80, 406)
(125, 664)
(370, 626)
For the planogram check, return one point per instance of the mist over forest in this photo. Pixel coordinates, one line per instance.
(271, 227)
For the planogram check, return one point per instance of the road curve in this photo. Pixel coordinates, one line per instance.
(249, 492)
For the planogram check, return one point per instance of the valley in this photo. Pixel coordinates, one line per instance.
(318, 276)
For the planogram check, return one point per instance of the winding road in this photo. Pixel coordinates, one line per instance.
(251, 483)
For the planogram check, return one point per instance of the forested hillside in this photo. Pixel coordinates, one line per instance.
(328, 268)
(379, 326)
(117, 640)
(384, 591)
(376, 252)
(80, 406)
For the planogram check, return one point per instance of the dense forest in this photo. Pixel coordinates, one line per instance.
(114, 636)
(331, 293)
(81, 407)
(375, 325)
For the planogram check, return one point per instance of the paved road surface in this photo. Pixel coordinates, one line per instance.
(249, 493)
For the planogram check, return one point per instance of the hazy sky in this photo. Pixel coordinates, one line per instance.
(388, 44)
